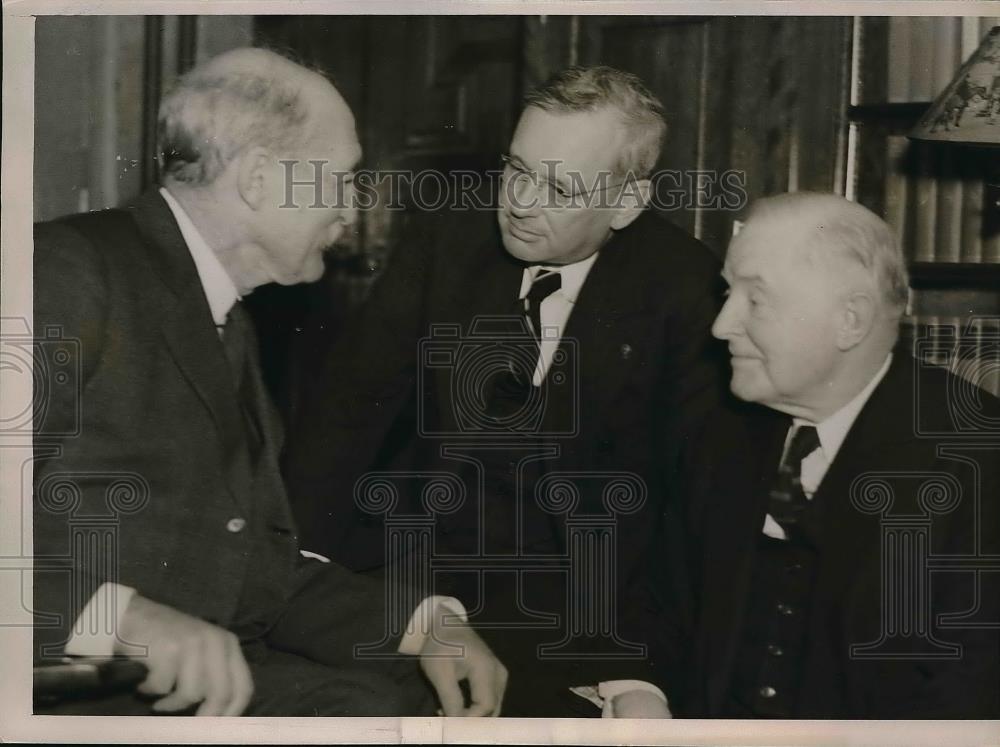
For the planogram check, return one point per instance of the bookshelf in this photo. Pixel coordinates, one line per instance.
(940, 198)
(937, 275)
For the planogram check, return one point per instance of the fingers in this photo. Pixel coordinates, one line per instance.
(242, 680)
(211, 671)
(215, 677)
(501, 686)
(190, 687)
(190, 660)
(482, 681)
(162, 673)
(442, 675)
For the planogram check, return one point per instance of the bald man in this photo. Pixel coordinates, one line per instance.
(800, 561)
(181, 548)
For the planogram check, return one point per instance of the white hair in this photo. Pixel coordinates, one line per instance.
(588, 89)
(243, 98)
(852, 231)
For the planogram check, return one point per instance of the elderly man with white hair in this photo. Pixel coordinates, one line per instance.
(169, 442)
(831, 556)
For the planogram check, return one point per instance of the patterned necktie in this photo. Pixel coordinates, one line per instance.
(788, 500)
(543, 287)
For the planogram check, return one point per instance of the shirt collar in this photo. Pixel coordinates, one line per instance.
(833, 430)
(215, 281)
(573, 276)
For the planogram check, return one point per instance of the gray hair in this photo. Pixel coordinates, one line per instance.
(852, 231)
(588, 89)
(244, 98)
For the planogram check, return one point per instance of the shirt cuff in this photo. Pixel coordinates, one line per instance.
(96, 629)
(613, 688)
(314, 556)
(773, 529)
(419, 626)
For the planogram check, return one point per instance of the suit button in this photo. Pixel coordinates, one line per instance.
(236, 525)
(784, 609)
(775, 650)
(767, 692)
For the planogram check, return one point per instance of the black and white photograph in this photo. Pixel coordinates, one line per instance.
(533, 372)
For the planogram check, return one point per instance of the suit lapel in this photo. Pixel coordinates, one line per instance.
(479, 294)
(849, 538)
(597, 336)
(190, 335)
(733, 527)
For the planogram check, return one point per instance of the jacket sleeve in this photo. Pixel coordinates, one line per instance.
(70, 317)
(967, 685)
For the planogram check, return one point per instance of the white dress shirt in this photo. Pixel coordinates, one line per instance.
(92, 634)
(220, 291)
(554, 314)
(555, 309)
(832, 431)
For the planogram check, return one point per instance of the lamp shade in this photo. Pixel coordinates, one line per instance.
(968, 111)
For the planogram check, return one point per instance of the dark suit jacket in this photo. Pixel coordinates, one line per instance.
(642, 360)
(159, 462)
(899, 446)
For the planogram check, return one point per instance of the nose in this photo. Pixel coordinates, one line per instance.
(520, 195)
(343, 219)
(727, 323)
(349, 215)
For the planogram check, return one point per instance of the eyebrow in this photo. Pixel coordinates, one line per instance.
(516, 160)
(543, 173)
(730, 278)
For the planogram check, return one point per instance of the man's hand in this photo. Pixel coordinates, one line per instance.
(639, 704)
(454, 652)
(189, 660)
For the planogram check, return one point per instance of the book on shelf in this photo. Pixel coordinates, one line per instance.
(972, 212)
(925, 205)
(948, 226)
(991, 243)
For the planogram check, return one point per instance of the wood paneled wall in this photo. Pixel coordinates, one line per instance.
(762, 96)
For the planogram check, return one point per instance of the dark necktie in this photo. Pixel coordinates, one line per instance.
(234, 341)
(788, 501)
(543, 287)
(512, 388)
(237, 337)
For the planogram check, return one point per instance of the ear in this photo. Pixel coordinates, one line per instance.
(632, 201)
(857, 319)
(253, 168)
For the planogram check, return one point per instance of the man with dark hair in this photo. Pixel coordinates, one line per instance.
(565, 355)
(831, 556)
(199, 575)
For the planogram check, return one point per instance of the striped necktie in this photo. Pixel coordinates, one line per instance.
(543, 287)
(787, 501)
